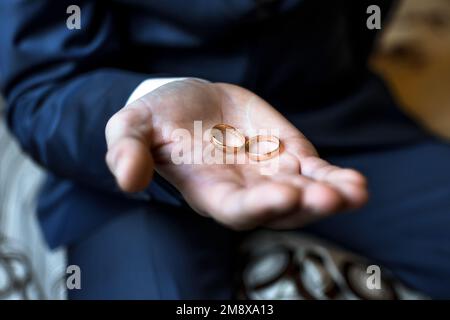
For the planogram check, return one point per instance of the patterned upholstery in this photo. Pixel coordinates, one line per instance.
(28, 270)
(288, 265)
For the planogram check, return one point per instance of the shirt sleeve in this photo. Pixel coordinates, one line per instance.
(148, 86)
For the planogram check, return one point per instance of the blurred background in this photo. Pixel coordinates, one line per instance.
(412, 55)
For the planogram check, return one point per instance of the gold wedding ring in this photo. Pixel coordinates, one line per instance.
(225, 129)
(222, 145)
(262, 156)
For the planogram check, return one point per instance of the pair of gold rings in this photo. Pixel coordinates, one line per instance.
(241, 140)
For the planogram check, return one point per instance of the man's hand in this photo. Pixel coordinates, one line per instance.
(305, 187)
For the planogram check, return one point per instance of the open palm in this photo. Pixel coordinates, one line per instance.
(302, 188)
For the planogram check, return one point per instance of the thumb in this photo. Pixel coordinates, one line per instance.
(128, 137)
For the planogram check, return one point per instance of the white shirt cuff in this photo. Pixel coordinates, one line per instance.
(148, 86)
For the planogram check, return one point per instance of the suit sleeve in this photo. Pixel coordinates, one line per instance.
(62, 86)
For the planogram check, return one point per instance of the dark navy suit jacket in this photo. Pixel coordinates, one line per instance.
(306, 57)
